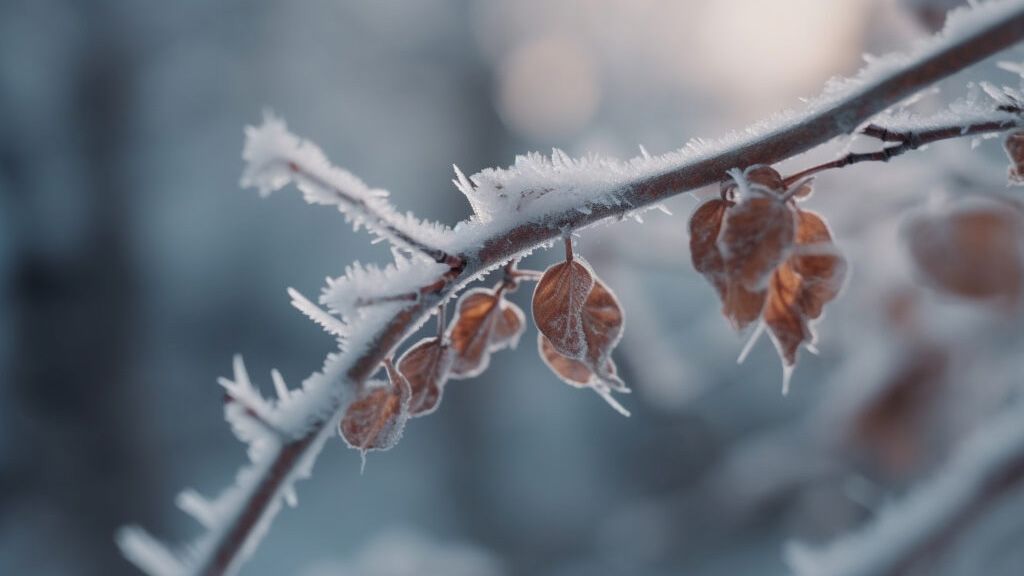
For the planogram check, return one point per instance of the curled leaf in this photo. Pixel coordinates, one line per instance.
(602, 324)
(821, 267)
(426, 366)
(972, 250)
(741, 306)
(573, 372)
(783, 315)
(375, 420)
(705, 225)
(764, 177)
(558, 302)
(484, 323)
(757, 235)
(509, 326)
(578, 374)
(1014, 146)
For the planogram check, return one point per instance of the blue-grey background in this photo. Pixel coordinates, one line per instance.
(132, 268)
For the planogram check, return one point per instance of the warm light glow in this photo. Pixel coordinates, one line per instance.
(547, 88)
(778, 48)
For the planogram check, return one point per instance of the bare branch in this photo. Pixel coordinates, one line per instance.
(908, 140)
(402, 235)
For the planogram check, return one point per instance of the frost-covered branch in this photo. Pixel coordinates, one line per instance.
(986, 467)
(908, 140)
(517, 210)
(278, 157)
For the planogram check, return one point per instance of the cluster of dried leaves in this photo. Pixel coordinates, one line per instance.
(580, 322)
(768, 259)
(484, 323)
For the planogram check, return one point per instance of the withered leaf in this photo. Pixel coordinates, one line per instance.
(572, 371)
(742, 306)
(820, 265)
(972, 250)
(1014, 146)
(558, 302)
(578, 374)
(484, 323)
(509, 326)
(426, 366)
(783, 316)
(602, 323)
(764, 177)
(705, 225)
(375, 420)
(757, 235)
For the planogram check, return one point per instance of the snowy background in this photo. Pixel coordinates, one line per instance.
(132, 268)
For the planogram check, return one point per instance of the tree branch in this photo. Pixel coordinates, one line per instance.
(908, 140)
(326, 395)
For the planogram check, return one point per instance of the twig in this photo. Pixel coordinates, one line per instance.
(908, 140)
(401, 234)
(225, 549)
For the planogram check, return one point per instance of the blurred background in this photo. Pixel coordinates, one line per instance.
(132, 268)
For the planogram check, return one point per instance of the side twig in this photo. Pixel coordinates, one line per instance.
(907, 141)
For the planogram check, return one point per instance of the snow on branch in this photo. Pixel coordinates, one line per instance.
(517, 210)
(987, 465)
(274, 157)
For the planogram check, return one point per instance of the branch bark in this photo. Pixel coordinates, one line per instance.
(947, 56)
(907, 141)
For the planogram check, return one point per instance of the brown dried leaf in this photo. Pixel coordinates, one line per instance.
(705, 224)
(578, 374)
(509, 326)
(742, 306)
(764, 177)
(757, 235)
(573, 372)
(484, 323)
(973, 250)
(426, 366)
(376, 419)
(821, 267)
(602, 323)
(783, 315)
(1014, 146)
(558, 304)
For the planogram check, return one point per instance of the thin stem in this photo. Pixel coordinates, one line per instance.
(442, 320)
(909, 140)
(568, 247)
